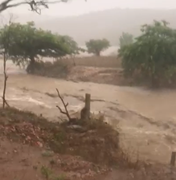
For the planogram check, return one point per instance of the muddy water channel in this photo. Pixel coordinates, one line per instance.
(146, 119)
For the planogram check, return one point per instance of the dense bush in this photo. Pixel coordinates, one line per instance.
(56, 69)
(152, 57)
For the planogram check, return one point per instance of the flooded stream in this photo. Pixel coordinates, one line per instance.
(147, 119)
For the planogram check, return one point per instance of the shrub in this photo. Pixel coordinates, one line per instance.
(152, 57)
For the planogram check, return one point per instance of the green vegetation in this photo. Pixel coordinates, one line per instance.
(97, 46)
(152, 57)
(46, 172)
(125, 39)
(24, 43)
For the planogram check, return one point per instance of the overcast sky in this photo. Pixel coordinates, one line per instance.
(77, 7)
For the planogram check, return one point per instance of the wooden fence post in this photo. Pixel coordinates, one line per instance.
(87, 105)
(172, 161)
(85, 112)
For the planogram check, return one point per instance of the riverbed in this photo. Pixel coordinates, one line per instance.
(145, 118)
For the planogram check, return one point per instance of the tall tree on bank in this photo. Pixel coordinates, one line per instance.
(26, 44)
(96, 46)
(152, 57)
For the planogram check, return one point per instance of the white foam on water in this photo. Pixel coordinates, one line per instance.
(29, 99)
(141, 131)
(76, 108)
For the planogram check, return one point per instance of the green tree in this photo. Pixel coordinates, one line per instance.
(97, 46)
(71, 45)
(125, 39)
(152, 56)
(25, 43)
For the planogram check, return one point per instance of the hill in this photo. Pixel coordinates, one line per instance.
(109, 23)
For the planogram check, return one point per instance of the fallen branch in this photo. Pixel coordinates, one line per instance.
(65, 106)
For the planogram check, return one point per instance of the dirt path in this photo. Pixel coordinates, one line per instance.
(146, 119)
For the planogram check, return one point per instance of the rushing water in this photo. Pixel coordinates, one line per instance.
(146, 118)
(11, 68)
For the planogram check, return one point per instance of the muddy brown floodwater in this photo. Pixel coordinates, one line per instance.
(147, 119)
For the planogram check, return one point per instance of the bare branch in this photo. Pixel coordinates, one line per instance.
(35, 5)
(4, 102)
(5, 5)
(65, 106)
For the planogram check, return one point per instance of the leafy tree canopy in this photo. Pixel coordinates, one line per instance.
(125, 39)
(97, 46)
(24, 42)
(71, 45)
(152, 56)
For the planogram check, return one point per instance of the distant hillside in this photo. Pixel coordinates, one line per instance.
(106, 24)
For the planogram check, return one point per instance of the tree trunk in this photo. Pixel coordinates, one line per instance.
(98, 53)
(155, 82)
(31, 66)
